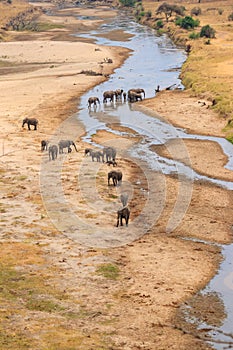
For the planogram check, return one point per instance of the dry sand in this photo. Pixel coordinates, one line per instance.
(158, 272)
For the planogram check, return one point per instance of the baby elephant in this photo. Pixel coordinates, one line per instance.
(44, 145)
(87, 151)
(111, 162)
(123, 213)
(116, 177)
(53, 151)
(30, 121)
(98, 155)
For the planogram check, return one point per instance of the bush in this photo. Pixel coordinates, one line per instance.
(220, 11)
(159, 24)
(187, 22)
(207, 32)
(196, 11)
(128, 3)
(230, 17)
(148, 14)
(194, 35)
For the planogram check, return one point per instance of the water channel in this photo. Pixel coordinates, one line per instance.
(156, 61)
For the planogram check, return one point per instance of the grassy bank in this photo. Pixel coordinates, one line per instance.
(207, 72)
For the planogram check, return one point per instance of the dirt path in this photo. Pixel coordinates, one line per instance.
(61, 294)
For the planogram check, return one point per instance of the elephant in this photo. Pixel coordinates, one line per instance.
(124, 96)
(139, 91)
(30, 121)
(98, 155)
(111, 162)
(118, 93)
(87, 151)
(108, 95)
(124, 199)
(44, 145)
(134, 96)
(66, 143)
(116, 177)
(94, 101)
(123, 213)
(110, 153)
(53, 151)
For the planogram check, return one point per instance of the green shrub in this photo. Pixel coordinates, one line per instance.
(187, 22)
(207, 32)
(196, 11)
(194, 35)
(159, 24)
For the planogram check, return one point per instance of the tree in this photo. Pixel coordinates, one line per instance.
(207, 32)
(169, 9)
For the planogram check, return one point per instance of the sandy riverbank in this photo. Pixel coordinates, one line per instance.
(68, 295)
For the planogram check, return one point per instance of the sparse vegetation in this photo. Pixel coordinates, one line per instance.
(128, 3)
(194, 36)
(109, 271)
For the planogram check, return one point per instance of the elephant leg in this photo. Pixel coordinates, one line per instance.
(121, 221)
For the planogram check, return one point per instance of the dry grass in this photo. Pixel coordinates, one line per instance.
(34, 313)
(207, 72)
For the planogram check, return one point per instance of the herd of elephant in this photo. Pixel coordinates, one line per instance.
(133, 95)
(107, 155)
(54, 149)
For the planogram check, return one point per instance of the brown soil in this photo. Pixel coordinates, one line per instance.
(67, 295)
